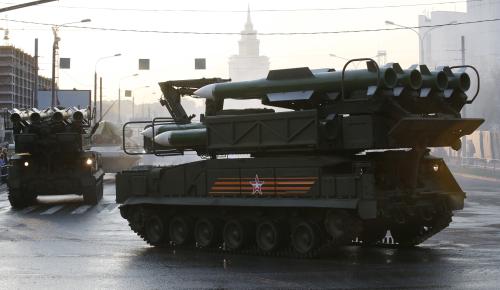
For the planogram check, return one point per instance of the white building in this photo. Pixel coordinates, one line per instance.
(443, 46)
(248, 64)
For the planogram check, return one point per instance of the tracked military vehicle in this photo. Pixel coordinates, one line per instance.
(346, 158)
(52, 156)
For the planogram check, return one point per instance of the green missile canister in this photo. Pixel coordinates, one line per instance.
(192, 138)
(459, 83)
(158, 129)
(408, 78)
(300, 83)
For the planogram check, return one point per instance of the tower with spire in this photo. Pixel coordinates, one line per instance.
(248, 64)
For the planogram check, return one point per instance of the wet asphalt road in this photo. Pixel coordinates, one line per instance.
(63, 244)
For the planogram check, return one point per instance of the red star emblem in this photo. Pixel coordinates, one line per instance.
(257, 185)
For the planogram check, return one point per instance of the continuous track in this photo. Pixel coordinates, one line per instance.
(326, 242)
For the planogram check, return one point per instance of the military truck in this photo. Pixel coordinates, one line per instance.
(345, 159)
(52, 157)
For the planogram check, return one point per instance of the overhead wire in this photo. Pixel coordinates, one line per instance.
(257, 33)
(408, 5)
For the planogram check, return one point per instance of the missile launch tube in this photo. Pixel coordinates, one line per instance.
(410, 78)
(79, 115)
(437, 80)
(148, 132)
(319, 82)
(37, 115)
(60, 115)
(183, 138)
(18, 115)
(459, 81)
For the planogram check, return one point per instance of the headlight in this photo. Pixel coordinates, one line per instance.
(435, 167)
(26, 164)
(89, 161)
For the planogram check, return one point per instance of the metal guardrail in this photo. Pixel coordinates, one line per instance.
(474, 163)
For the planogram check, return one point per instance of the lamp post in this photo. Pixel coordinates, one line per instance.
(95, 87)
(55, 47)
(421, 37)
(120, 94)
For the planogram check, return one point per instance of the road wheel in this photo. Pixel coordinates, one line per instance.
(237, 234)
(180, 230)
(269, 236)
(305, 238)
(155, 230)
(18, 199)
(207, 233)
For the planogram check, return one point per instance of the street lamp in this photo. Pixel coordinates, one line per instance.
(120, 94)
(95, 87)
(343, 58)
(334, 55)
(55, 47)
(421, 37)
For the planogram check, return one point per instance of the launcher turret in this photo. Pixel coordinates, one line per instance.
(331, 111)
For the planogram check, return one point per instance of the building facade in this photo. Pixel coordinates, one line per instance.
(17, 82)
(17, 78)
(248, 64)
(480, 47)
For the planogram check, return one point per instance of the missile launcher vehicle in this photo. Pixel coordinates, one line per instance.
(336, 157)
(52, 156)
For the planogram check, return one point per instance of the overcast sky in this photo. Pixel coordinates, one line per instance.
(172, 54)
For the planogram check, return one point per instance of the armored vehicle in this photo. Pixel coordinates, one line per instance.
(337, 157)
(107, 140)
(52, 157)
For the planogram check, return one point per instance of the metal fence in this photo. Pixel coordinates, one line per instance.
(473, 162)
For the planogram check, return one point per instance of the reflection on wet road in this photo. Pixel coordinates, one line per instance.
(62, 243)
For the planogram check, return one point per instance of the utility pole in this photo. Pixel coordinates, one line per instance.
(94, 109)
(55, 47)
(35, 89)
(55, 58)
(100, 99)
(464, 110)
(462, 41)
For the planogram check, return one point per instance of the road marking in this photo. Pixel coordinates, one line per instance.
(52, 210)
(29, 209)
(6, 209)
(81, 209)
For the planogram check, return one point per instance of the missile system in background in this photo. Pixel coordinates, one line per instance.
(107, 141)
(52, 156)
(337, 157)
